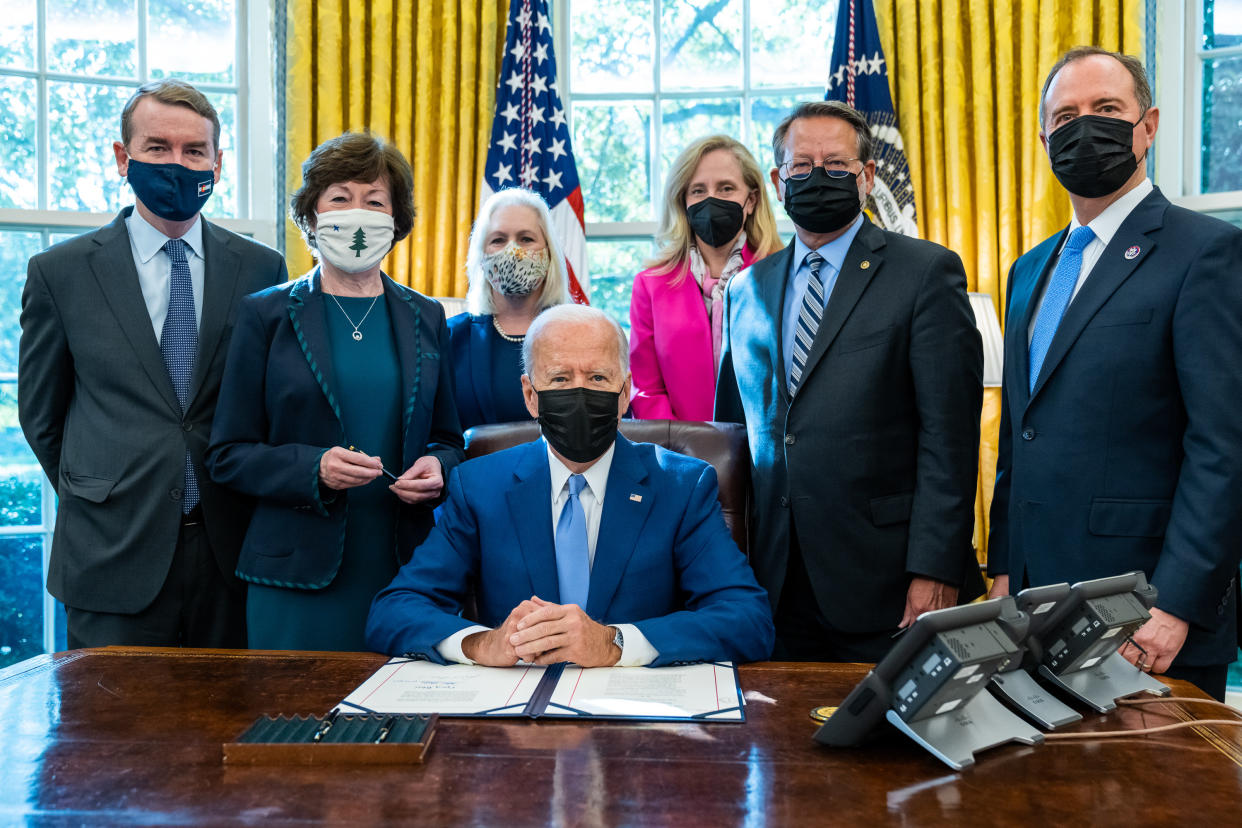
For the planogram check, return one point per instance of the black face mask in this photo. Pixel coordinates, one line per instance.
(820, 203)
(580, 423)
(1092, 155)
(715, 221)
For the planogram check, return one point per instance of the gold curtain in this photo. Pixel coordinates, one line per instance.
(420, 73)
(966, 78)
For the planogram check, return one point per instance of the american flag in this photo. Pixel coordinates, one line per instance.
(857, 76)
(530, 144)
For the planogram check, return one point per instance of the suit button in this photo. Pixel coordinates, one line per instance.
(174, 494)
(790, 439)
(187, 426)
(784, 502)
(1028, 433)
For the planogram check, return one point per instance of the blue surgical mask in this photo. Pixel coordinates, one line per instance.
(171, 191)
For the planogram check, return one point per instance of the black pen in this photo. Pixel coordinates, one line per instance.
(386, 472)
(385, 730)
(326, 726)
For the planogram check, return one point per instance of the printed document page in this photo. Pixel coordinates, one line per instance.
(403, 686)
(704, 691)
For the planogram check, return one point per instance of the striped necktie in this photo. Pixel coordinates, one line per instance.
(179, 347)
(808, 321)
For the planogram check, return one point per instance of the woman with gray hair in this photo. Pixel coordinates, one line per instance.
(516, 269)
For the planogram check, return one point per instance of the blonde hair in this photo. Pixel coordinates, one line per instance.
(675, 236)
(555, 287)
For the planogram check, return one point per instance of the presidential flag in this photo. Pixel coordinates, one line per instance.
(530, 144)
(857, 76)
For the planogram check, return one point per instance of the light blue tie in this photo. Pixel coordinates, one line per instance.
(1057, 299)
(808, 320)
(573, 564)
(179, 347)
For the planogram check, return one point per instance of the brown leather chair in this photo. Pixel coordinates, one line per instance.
(721, 444)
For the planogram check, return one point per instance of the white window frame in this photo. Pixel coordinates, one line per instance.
(1179, 78)
(255, 178)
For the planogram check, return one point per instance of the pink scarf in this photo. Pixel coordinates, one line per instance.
(713, 288)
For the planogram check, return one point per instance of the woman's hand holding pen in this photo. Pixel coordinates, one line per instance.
(341, 468)
(421, 482)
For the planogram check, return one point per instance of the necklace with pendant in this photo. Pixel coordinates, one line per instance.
(357, 334)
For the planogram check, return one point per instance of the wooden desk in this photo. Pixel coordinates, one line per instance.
(133, 735)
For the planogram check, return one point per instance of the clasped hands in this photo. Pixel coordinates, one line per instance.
(540, 632)
(341, 468)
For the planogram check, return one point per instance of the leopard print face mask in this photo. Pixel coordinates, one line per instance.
(516, 271)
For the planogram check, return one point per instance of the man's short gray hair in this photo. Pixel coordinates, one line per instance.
(579, 315)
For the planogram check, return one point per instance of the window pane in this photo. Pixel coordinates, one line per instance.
(21, 590)
(21, 476)
(16, 248)
(791, 42)
(195, 41)
(701, 45)
(1222, 24)
(1222, 125)
(19, 178)
(93, 37)
(765, 114)
(611, 46)
(223, 201)
(613, 265)
(84, 119)
(683, 121)
(613, 148)
(17, 33)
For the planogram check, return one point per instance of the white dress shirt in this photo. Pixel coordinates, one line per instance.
(155, 268)
(1104, 226)
(636, 650)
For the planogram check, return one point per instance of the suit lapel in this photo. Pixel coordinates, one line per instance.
(771, 276)
(530, 510)
(112, 265)
(480, 350)
(851, 282)
(1029, 280)
(620, 525)
(306, 309)
(407, 330)
(220, 287)
(1112, 269)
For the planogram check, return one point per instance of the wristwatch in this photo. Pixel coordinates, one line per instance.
(618, 639)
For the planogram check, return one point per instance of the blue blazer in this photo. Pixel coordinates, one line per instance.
(664, 560)
(470, 342)
(278, 414)
(1128, 453)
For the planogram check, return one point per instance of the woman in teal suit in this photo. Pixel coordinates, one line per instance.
(336, 410)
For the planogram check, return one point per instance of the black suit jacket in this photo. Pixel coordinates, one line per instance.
(100, 413)
(1128, 453)
(875, 459)
(278, 414)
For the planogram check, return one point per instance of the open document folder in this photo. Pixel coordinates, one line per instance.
(698, 692)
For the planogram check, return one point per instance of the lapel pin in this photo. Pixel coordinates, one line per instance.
(864, 264)
(1132, 251)
(637, 498)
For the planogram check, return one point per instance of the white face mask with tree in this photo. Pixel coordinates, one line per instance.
(353, 241)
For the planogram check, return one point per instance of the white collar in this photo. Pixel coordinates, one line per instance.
(148, 241)
(596, 476)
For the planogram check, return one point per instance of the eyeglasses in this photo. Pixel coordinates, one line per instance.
(799, 169)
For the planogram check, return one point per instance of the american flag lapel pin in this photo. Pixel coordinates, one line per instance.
(637, 498)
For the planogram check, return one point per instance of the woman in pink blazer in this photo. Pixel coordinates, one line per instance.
(716, 221)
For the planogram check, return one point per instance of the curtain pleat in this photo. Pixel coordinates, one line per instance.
(419, 73)
(966, 77)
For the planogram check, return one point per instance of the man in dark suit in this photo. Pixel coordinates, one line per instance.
(124, 335)
(853, 359)
(1120, 441)
(580, 546)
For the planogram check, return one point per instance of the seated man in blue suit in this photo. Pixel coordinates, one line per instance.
(581, 546)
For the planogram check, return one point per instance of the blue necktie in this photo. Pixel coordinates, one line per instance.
(1057, 299)
(808, 321)
(179, 346)
(573, 565)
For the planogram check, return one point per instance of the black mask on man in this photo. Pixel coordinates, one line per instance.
(580, 423)
(715, 221)
(1093, 155)
(820, 203)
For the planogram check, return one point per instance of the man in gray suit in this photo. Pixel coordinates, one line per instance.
(124, 335)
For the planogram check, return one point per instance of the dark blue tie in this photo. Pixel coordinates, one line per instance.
(179, 346)
(1057, 299)
(809, 316)
(573, 563)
